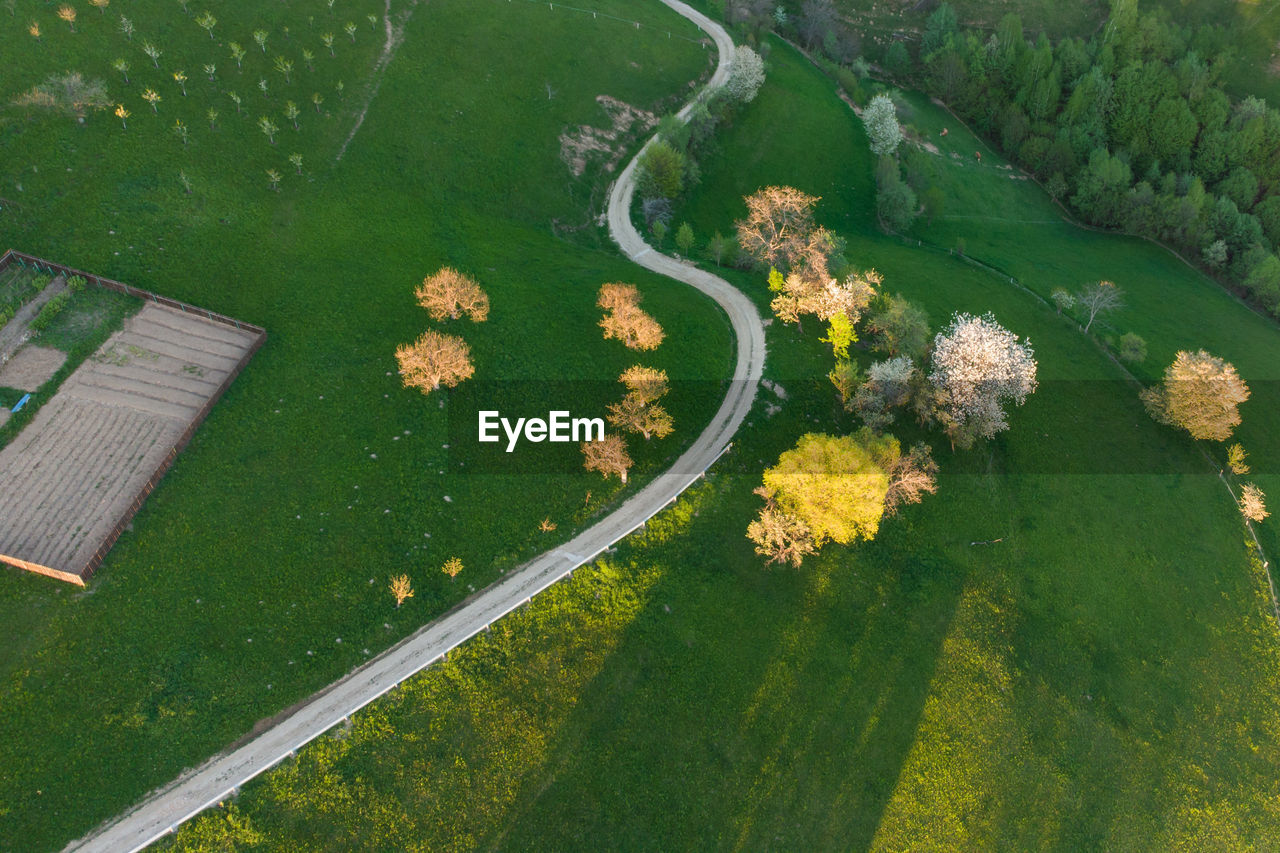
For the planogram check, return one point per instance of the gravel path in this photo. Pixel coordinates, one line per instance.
(219, 777)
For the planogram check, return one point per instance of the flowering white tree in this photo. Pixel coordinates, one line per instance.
(978, 366)
(746, 75)
(881, 120)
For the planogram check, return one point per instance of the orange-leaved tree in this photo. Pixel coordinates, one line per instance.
(448, 294)
(434, 359)
(608, 456)
(625, 320)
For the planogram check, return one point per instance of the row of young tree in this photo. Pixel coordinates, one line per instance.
(1132, 128)
(639, 410)
(961, 381)
(438, 360)
(74, 94)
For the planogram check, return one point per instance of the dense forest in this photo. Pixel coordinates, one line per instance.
(1132, 128)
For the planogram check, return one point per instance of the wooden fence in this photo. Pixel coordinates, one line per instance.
(41, 265)
(259, 337)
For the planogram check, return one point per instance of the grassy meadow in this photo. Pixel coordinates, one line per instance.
(1105, 676)
(257, 572)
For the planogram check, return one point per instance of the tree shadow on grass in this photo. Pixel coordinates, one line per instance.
(745, 708)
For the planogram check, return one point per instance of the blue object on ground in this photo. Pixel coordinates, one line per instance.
(21, 403)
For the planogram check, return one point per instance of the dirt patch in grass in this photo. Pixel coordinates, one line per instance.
(577, 145)
(31, 367)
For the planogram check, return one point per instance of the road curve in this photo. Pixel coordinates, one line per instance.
(222, 775)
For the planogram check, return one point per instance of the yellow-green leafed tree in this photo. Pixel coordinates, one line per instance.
(401, 589)
(836, 488)
(1200, 393)
(836, 485)
(1236, 456)
(638, 411)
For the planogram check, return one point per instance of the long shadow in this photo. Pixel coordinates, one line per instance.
(748, 709)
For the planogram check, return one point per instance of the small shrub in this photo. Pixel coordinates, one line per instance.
(76, 283)
(1132, 348)
(1236, 459)
(1063, 299)
(51, 309)
(659, 230)
(852, 86)
(656, 210)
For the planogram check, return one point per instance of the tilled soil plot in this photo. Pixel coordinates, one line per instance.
(31, 367)
(74, 472)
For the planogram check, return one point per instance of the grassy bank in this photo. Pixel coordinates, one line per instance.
(1103, 676)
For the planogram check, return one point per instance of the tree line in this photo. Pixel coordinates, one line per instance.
(668, 166)
(1133, 129)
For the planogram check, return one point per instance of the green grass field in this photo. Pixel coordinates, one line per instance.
(257, 571)
(1105, 677)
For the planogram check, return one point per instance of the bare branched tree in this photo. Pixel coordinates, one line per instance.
(448, 294)
(608, 456)
(625, 320)
(781, 536)
(434, 359)
(1099, 298)
(1253, 504)
(778, 226)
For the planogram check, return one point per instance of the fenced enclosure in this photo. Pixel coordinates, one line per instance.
(74, 478)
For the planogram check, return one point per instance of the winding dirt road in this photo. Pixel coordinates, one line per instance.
(221, 775)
